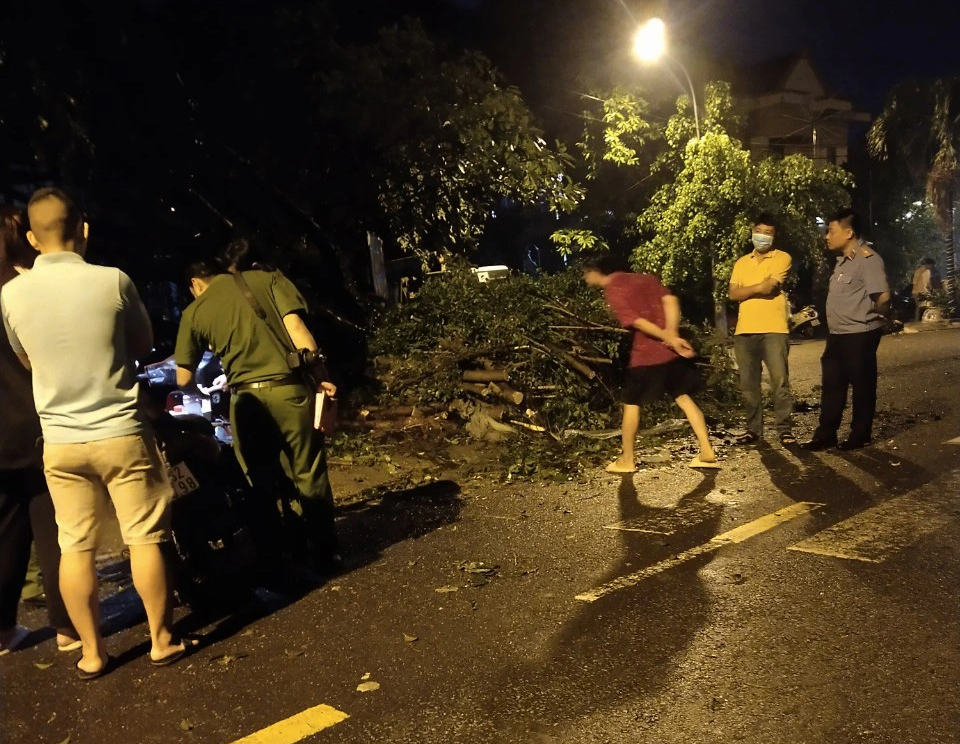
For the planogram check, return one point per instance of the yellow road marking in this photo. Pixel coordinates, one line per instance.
(736, 535)
(876, 533)
(296, 728)
(955, 440)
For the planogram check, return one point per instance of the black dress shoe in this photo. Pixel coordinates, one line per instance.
(852, 444)
(817, 445)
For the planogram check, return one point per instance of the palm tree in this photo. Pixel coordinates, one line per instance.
(920, 124)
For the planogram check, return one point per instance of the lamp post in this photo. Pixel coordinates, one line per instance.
(650, 45)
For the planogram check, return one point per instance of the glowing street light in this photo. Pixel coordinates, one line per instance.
(650, 41)
(650, 45)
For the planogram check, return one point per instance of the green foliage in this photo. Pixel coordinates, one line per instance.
(919, 131)
(570, 241)
(796, 190)
(457, 323)
(618, 134)
(525, 326)
(694, 221)
(440, 139)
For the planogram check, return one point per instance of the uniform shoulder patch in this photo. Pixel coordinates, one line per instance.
(866, 252)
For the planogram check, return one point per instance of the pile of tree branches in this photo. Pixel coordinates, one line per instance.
(522, 359)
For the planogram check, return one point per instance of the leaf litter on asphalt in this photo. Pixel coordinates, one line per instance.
(226, 659)
(368, 686)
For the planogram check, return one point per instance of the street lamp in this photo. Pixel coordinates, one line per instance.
(650, 45)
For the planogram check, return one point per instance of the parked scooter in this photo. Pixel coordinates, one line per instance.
(213, 515)
(804, 322)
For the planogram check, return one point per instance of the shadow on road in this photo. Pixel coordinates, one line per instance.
(365, 528)
(619, 647)
(811, 478)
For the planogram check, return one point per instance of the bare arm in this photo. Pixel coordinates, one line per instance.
(768, 288)
(669, 334)
(671, 314)
(881, 302)
(299, 333)
(184, 377)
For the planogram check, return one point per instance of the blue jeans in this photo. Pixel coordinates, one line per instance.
(770, 349)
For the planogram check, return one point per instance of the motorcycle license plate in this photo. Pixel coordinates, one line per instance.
(182, 480)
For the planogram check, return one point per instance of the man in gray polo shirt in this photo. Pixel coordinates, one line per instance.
(856, 301)
(80, 328)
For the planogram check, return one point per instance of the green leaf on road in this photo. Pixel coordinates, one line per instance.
(410, 638)
(185, 725)
(295, 652)
(42, 665)
(368, 686)
(446, 589)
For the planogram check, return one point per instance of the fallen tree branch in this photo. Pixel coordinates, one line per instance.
(485, 375)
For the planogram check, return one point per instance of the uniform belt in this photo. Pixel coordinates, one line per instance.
(280, 382)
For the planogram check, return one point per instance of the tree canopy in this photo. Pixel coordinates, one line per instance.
(694, 221)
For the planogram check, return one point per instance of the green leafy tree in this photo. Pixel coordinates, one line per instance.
(696, 223)
(439, 140)
(920, 126)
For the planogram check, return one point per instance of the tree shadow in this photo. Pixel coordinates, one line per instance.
(616, 648)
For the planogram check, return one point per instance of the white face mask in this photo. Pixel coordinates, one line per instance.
(761, 242)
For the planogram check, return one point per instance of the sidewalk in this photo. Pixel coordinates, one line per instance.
(939, 325)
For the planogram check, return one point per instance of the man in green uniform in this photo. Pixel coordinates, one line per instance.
(253, 320)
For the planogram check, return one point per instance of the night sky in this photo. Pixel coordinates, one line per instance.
(860, 48)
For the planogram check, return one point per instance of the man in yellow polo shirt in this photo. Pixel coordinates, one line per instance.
(762, 335)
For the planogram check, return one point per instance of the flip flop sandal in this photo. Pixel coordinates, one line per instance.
(72, 646)
(611, 468)
(189, 645)
(696, 462)
(87, 676)
(787, 439)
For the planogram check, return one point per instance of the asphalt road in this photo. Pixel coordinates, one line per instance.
(801, 598)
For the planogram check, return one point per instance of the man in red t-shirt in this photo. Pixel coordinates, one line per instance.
(659, 359)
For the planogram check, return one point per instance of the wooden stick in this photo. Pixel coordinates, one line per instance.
(485, 375)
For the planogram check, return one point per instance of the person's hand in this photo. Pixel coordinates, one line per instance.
(681, 346)
(770, 286)
(219, 383)
(328, 388)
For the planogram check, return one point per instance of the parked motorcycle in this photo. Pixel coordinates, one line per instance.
(804, 322)
(214, 515)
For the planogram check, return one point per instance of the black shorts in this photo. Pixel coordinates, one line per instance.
(648, 384)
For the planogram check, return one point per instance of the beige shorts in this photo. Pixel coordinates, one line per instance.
(127, 470)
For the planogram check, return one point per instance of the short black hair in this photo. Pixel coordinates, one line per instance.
(765, 218)
(203, 268)
(64, 229)
(848, 217)
(604, 263)
(928, 262)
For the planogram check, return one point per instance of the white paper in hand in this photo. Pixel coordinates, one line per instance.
(318, 409)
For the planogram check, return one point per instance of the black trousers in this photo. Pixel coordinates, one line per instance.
(26, 515)
(849, 361)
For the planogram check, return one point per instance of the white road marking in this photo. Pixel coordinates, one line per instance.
(736, 535)
(876, 534)
(955, 440)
